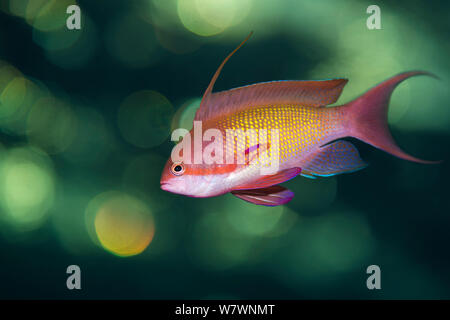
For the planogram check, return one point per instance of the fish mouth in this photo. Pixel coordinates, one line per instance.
(164, 186)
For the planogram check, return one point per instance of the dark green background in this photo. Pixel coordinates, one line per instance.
(394, 214)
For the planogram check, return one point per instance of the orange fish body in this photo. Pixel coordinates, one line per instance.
(282, 122)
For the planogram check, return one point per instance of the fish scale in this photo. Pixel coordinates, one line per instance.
(300, 128)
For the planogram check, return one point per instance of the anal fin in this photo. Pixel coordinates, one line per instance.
(335, 158)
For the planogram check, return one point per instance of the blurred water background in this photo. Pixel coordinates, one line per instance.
(85, 119)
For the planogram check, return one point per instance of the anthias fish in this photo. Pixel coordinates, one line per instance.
(310, 136)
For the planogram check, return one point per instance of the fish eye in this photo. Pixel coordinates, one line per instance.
(177, 169)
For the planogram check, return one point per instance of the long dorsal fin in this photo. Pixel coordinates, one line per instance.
(207, 94)
(314, 93)
(305, 93)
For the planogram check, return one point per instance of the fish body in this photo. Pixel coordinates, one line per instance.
(302, 130)
(308, 137)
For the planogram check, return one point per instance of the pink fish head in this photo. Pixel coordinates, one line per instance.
(195, 180)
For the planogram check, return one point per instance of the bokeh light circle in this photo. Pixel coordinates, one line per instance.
(144, 118)
(325, 247)
(207, 18)
(51, 124)
(50, 15)
(12, 97)
(123, 224)
(223, 13)
(93, 142)
(252, 220)
(143, 174)
(216, 245)
(191, 19)
(184, 117)
(231, 232)
(27, 187)
(16, 100)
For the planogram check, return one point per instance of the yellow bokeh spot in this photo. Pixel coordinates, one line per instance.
(223, 13)
(12, 96)
(7, 73)
(123, 224)
(17, 95)
(17, 7)
(32, 9)
(52, 15)
(44, 15)
(192, 21)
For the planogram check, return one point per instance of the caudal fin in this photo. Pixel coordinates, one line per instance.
(368, 116)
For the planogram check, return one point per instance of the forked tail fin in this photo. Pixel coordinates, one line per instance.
(368, 116)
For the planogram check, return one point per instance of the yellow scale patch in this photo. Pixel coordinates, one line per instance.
(300, 128)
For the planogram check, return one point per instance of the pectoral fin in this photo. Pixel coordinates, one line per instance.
(255, 151)
(271, 196)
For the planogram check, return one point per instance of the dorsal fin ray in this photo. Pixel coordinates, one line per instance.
(315, 93)
(207, 94)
